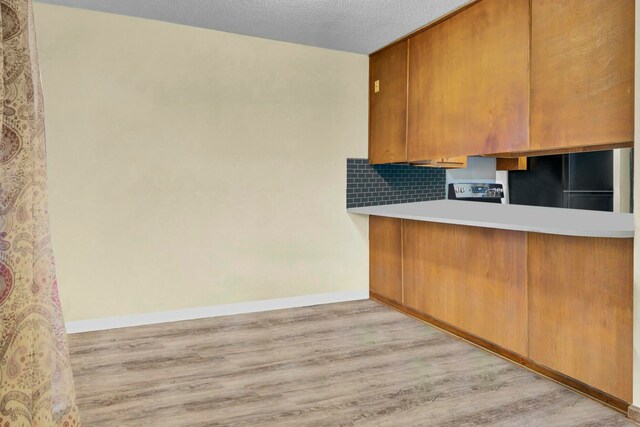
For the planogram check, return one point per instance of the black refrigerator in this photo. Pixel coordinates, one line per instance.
(575, 181)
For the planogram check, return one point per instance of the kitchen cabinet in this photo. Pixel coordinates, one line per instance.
(582, 73)
(469, 83)
(561, 305)
(446, 163)
(385, 257)
(507, 78)
(388, 105)
(580, 309)
(511, 164)
(472, 278)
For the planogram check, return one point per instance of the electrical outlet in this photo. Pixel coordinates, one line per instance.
(376, 86)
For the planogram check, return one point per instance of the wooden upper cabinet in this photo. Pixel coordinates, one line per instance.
(582, 72)
(506, 78)
(388, 105)
(469, 83)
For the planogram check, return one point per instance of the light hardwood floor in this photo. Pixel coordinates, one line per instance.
(356, 363)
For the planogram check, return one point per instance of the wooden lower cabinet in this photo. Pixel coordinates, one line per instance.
(469, 277)
(581, 307)
(560, 305)
(385, 257)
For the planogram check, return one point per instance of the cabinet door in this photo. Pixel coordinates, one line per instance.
(581, 308)
(388, 105)
(385, 257)
(470, 277)
(582, 71)
(469, 83)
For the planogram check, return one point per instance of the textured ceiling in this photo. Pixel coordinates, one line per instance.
(360, 26)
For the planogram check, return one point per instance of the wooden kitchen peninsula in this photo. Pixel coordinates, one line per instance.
(548, 288)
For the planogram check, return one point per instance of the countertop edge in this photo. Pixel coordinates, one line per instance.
(614, 234)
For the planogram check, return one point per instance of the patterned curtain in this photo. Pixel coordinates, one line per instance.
(36, 383)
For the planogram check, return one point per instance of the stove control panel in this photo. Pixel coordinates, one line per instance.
(474, 191)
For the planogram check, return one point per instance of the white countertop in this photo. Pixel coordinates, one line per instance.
(568, 222)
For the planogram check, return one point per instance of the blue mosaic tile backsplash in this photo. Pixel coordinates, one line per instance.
(371, 185)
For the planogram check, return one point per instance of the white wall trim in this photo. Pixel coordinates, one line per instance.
(214, 311)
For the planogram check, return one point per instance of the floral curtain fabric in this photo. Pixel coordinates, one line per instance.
(36, 383)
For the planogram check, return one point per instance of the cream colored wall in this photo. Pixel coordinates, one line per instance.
(622, 180)
(636, 216)
(190, 167)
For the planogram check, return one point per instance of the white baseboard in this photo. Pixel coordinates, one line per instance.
(213, 311)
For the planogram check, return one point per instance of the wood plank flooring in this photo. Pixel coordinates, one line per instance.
(356, 363)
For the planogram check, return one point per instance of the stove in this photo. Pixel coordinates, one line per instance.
(476, 192)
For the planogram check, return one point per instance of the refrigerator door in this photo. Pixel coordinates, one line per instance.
(596, 201)
(591, 171)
